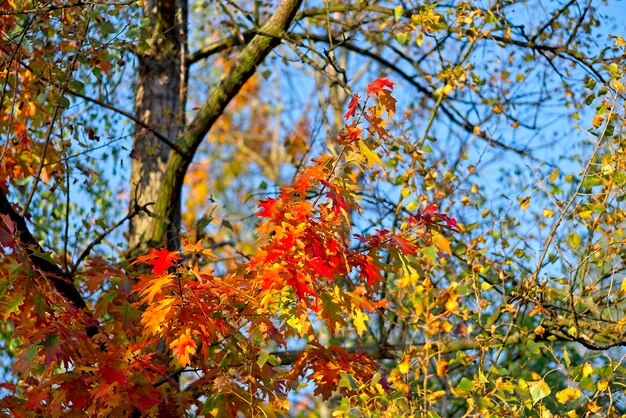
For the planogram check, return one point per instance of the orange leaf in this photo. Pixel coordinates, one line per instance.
(183, 347)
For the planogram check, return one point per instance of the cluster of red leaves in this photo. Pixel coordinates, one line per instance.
(176, 315)
(433, 219)
(327, 366)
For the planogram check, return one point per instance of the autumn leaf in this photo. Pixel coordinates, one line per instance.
(568, 394)
(442, 243)
(156, 314)
(372, 157)
(378, 84)
(387, 101)
(406, 246)
(154, 287)
(268, 207)
(538, 390)
(183, 347)
(404, 364)
(112, 375)
(352, 107)
(161, 259)
(359, 322)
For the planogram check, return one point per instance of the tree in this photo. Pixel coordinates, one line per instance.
(294, 244)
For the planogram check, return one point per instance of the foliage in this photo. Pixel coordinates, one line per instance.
(446, 241)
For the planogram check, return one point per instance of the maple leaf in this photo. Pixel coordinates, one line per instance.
(352, 107)
(406, 246)
(183, 347)
(156, 314)
(430, 217)
(268, 207)
(338, 201)
(378, 84)
(300, 284)
(369, 271)
(51, 349)
(322, 267)
(161, 259)
(350, 134)
(359, 321)
(442, 243)
(155, 287)
(387, 101)
(111, 375)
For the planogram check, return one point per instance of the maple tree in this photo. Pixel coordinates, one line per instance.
(363, 209)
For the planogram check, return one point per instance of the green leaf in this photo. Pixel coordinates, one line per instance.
(371, 156)
(403, 38)
(533, 347)
(587, 384)
(465, 385)
(264, 355)
(538, 390)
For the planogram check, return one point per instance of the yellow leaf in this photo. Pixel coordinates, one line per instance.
(442, 367)
(155, 287)
(451, 303)
(597, 121)
(548, 213)
(607, 169)
(554, 175)
(568, 394)
(156, 313)
(442, 243)
(445, 90)
(359, 322)
(371, 156)
(593, 407)
(446, 326)
(436, 395)
(524, 203)
(540, 330)
(587, 369)
(617, 85)
(403, 366)
(411, 277)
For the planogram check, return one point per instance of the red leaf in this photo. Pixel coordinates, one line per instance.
(352, 107)
(322, 267)
(300, 284)
(268, 206)
(163, 260)
(377, 85)
(430, 217)
(338, 201)
(111, 375)
(406, 246)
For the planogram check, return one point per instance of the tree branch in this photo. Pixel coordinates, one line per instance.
(60, 280)
(54, 7)
(246, 64)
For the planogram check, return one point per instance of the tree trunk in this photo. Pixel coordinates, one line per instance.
(159, 104)
(159, 164)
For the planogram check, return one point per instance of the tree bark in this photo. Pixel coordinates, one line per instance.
(158, 172)
(158, 104)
